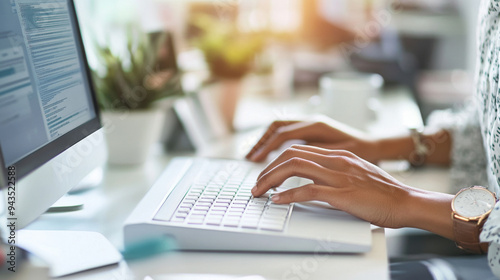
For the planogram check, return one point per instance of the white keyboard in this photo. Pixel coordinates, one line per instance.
(220, 196)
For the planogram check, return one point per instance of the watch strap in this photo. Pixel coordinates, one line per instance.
(467, 235)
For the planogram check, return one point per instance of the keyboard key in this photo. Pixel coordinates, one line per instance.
(272, 219)
(250, 224)
(211, 194)
(196, 191)
(256, 207)
(244, 193)
(235, 210)
(198, 187)
(272, 227)
(178, 220)
(280, 212)
(234, 214)
(195, 221)
(251, 211)
(221, 203)
(205, 201)
(252, 214)
(198, 212)
(214, 222)
(254, 210)
(279, 206)
(216, 214)
(196, 216)
(228, 192)
(231, 223)
(257, 202)
(240, 202)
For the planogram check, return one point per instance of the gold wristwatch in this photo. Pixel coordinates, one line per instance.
(470, 209)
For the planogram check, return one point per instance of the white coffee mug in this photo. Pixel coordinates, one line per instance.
(345, 96)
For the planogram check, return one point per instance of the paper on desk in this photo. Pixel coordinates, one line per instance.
(68, 252)
(203, 277)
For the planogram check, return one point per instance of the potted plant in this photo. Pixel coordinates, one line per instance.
(133, 95)
(230, 55)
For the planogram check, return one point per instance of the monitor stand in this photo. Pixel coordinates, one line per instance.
(72, 201)
(91, 181)
(67, 203)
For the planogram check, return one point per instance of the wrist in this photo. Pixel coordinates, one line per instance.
(394, 148)
(439, 143)
(403, 147)
(430, 211)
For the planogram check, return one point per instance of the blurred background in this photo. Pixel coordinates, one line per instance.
(425, 45)
(280, 49)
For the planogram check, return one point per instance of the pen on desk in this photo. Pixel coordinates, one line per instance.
(149, 247)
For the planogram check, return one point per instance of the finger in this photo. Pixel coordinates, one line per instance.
(304, 193)
(328, 146)
(326, 151)
(302, 130)
(294, 167)
(325, 157)
(269, 132)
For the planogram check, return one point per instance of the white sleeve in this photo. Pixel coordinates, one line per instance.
(491, 234)
(468, 157)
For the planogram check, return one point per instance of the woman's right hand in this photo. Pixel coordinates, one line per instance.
(326, 133)
(350, 183)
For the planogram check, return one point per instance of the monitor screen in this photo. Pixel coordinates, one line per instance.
(46, 100)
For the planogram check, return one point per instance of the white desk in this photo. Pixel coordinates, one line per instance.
(122, 190)
(123, 187)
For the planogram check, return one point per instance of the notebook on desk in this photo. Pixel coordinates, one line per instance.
(206, 204)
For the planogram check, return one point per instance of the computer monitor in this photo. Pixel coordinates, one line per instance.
(50, 130)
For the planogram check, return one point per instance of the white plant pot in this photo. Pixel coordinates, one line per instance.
(130, 135)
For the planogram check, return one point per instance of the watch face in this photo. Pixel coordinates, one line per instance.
(473, 202)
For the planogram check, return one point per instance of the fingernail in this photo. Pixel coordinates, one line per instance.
(275, 198)
(254, 189)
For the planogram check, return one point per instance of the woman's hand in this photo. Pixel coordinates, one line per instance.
(331, 135)
(355, 186)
